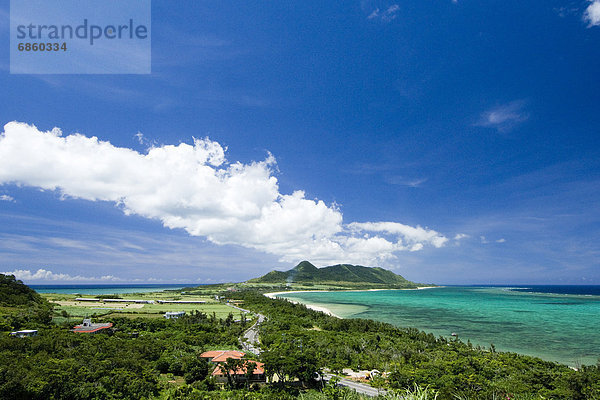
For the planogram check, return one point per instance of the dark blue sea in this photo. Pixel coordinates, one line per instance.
(108, 289)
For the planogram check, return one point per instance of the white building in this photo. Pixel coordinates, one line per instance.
(25, 333)
(174, 314)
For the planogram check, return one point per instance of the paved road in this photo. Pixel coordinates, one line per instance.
(358, 387)
(250, 341)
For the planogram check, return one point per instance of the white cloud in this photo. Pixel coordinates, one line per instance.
(592, 13)
(486, 241)
(144, 141)
(140, 137)
(374, 14)
(504, 117)
(409, 238)
(6, 197)
(194, 187)
(458, 237)
(399, 180)
(46, 275)
(388, 15)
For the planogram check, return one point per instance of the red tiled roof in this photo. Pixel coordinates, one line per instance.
(222, 355)
(211, 354)
(91, 329)
(241, 371)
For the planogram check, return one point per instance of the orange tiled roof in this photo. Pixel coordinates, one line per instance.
(222, 355)
(241, 371)
(211, 354)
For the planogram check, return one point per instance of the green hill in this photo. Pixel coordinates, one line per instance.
(21, 306)
(15, 293)
(337, 275)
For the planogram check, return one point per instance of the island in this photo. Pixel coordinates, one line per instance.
(305, 276)
(229, 341)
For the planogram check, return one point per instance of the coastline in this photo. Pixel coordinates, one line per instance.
(477, 314)
(325, 310)
(313, 307)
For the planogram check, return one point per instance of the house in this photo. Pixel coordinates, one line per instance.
(240, 374)
(174, 314)
(25, 333)
(218, 356)
(88, 327)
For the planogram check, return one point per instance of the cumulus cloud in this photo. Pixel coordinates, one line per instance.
(504, 117)
(410, 238)
(193, 187)
(387, 15)
(46, 275)
(6, 197)
(592, 13)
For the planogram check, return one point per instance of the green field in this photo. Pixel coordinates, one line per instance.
(79, 309)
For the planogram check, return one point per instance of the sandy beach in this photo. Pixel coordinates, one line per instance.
(322, 309)
(325, 310)
(273, 294)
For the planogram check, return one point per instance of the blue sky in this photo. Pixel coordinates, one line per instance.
(450, 141)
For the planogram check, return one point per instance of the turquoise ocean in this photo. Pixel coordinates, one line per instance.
(108, 289)
(554, 323)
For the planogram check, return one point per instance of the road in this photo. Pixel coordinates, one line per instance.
(358, 387)
(250, 341)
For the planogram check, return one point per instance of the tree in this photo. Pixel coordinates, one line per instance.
(230, 367)
(292, 358)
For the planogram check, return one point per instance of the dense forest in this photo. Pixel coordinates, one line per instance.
(337, 275)
(20, 306)
(156, 358)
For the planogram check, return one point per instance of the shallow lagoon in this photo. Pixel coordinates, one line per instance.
(555, 327)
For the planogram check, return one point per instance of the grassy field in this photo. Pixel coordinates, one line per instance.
(68, 309)
(79, 309)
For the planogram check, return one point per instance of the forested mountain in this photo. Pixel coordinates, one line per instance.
(305, 272)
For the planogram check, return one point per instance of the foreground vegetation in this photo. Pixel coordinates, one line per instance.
(155, 358)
